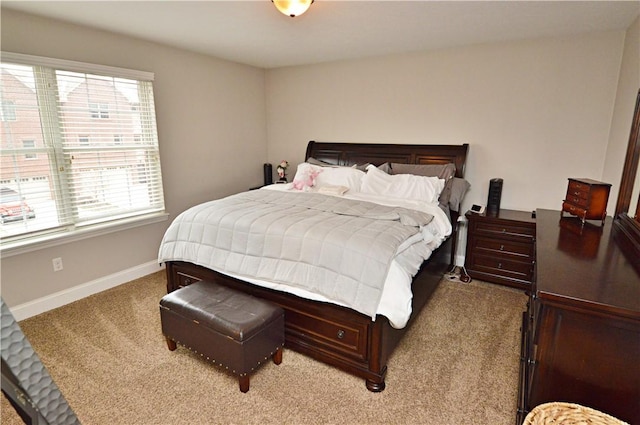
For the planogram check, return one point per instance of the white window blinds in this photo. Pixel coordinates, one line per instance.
(79, 147)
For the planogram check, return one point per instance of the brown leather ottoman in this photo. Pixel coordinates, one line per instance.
(227, 327)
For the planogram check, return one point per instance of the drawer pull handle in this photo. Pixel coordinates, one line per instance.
(501, 247)
(340, 334)
(187, 281)
(499, 265)
(576, 193)
(504, 230)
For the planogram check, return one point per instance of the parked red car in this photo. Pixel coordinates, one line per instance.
(13, 207)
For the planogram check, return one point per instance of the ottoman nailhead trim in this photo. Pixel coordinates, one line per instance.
(227, 367)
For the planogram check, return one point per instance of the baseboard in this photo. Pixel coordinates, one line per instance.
(58, 299)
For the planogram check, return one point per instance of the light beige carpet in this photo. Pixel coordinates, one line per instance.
(457, 365)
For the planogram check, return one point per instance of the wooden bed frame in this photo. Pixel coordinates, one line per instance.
(336, 335)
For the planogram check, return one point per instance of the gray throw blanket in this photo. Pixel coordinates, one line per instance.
(335, 247)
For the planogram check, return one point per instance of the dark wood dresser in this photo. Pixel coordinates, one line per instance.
(500, 248)
(581, 333)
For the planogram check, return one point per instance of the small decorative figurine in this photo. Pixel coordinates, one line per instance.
(306, 179)
(282, 171)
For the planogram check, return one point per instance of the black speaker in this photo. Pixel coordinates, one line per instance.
(268, 174)
(495, 193)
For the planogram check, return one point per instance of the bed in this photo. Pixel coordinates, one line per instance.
(336, 334)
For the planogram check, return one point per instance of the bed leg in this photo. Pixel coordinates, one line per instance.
(375, 387)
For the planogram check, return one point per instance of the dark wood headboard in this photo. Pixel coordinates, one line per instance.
(376, 154)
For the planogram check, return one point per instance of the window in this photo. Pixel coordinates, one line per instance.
(99, 110)
(8, 110)
(29, 144)
(79, 148)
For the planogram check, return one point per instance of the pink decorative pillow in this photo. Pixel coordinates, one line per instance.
(306, 176)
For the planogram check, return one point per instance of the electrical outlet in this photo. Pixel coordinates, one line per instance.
(57, 264)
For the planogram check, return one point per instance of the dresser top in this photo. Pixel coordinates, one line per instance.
(583, 265)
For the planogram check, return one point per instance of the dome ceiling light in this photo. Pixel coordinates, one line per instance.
(292, 8)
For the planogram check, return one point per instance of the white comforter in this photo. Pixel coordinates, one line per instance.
(391, 296)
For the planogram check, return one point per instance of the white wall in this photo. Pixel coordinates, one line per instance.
(211, 126)
(534, 112)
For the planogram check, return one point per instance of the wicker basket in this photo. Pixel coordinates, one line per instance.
(568, 414)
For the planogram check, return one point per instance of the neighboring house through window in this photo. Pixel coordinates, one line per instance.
(79, 145)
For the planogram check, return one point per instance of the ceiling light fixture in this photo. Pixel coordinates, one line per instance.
(292, 8)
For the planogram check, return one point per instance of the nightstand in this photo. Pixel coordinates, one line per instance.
(586, 199)
(501, 248)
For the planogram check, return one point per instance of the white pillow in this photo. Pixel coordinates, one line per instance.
(341, 176)
(329, 176)
(408, 186)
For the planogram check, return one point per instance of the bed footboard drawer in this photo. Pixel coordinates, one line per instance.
(181, 277)
(185, 279)
(347, 338)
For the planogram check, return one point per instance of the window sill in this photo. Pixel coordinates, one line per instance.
(50, 240)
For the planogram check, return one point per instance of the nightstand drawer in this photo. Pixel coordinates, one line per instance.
(503, 266)
(503, 248)
(501, 230)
